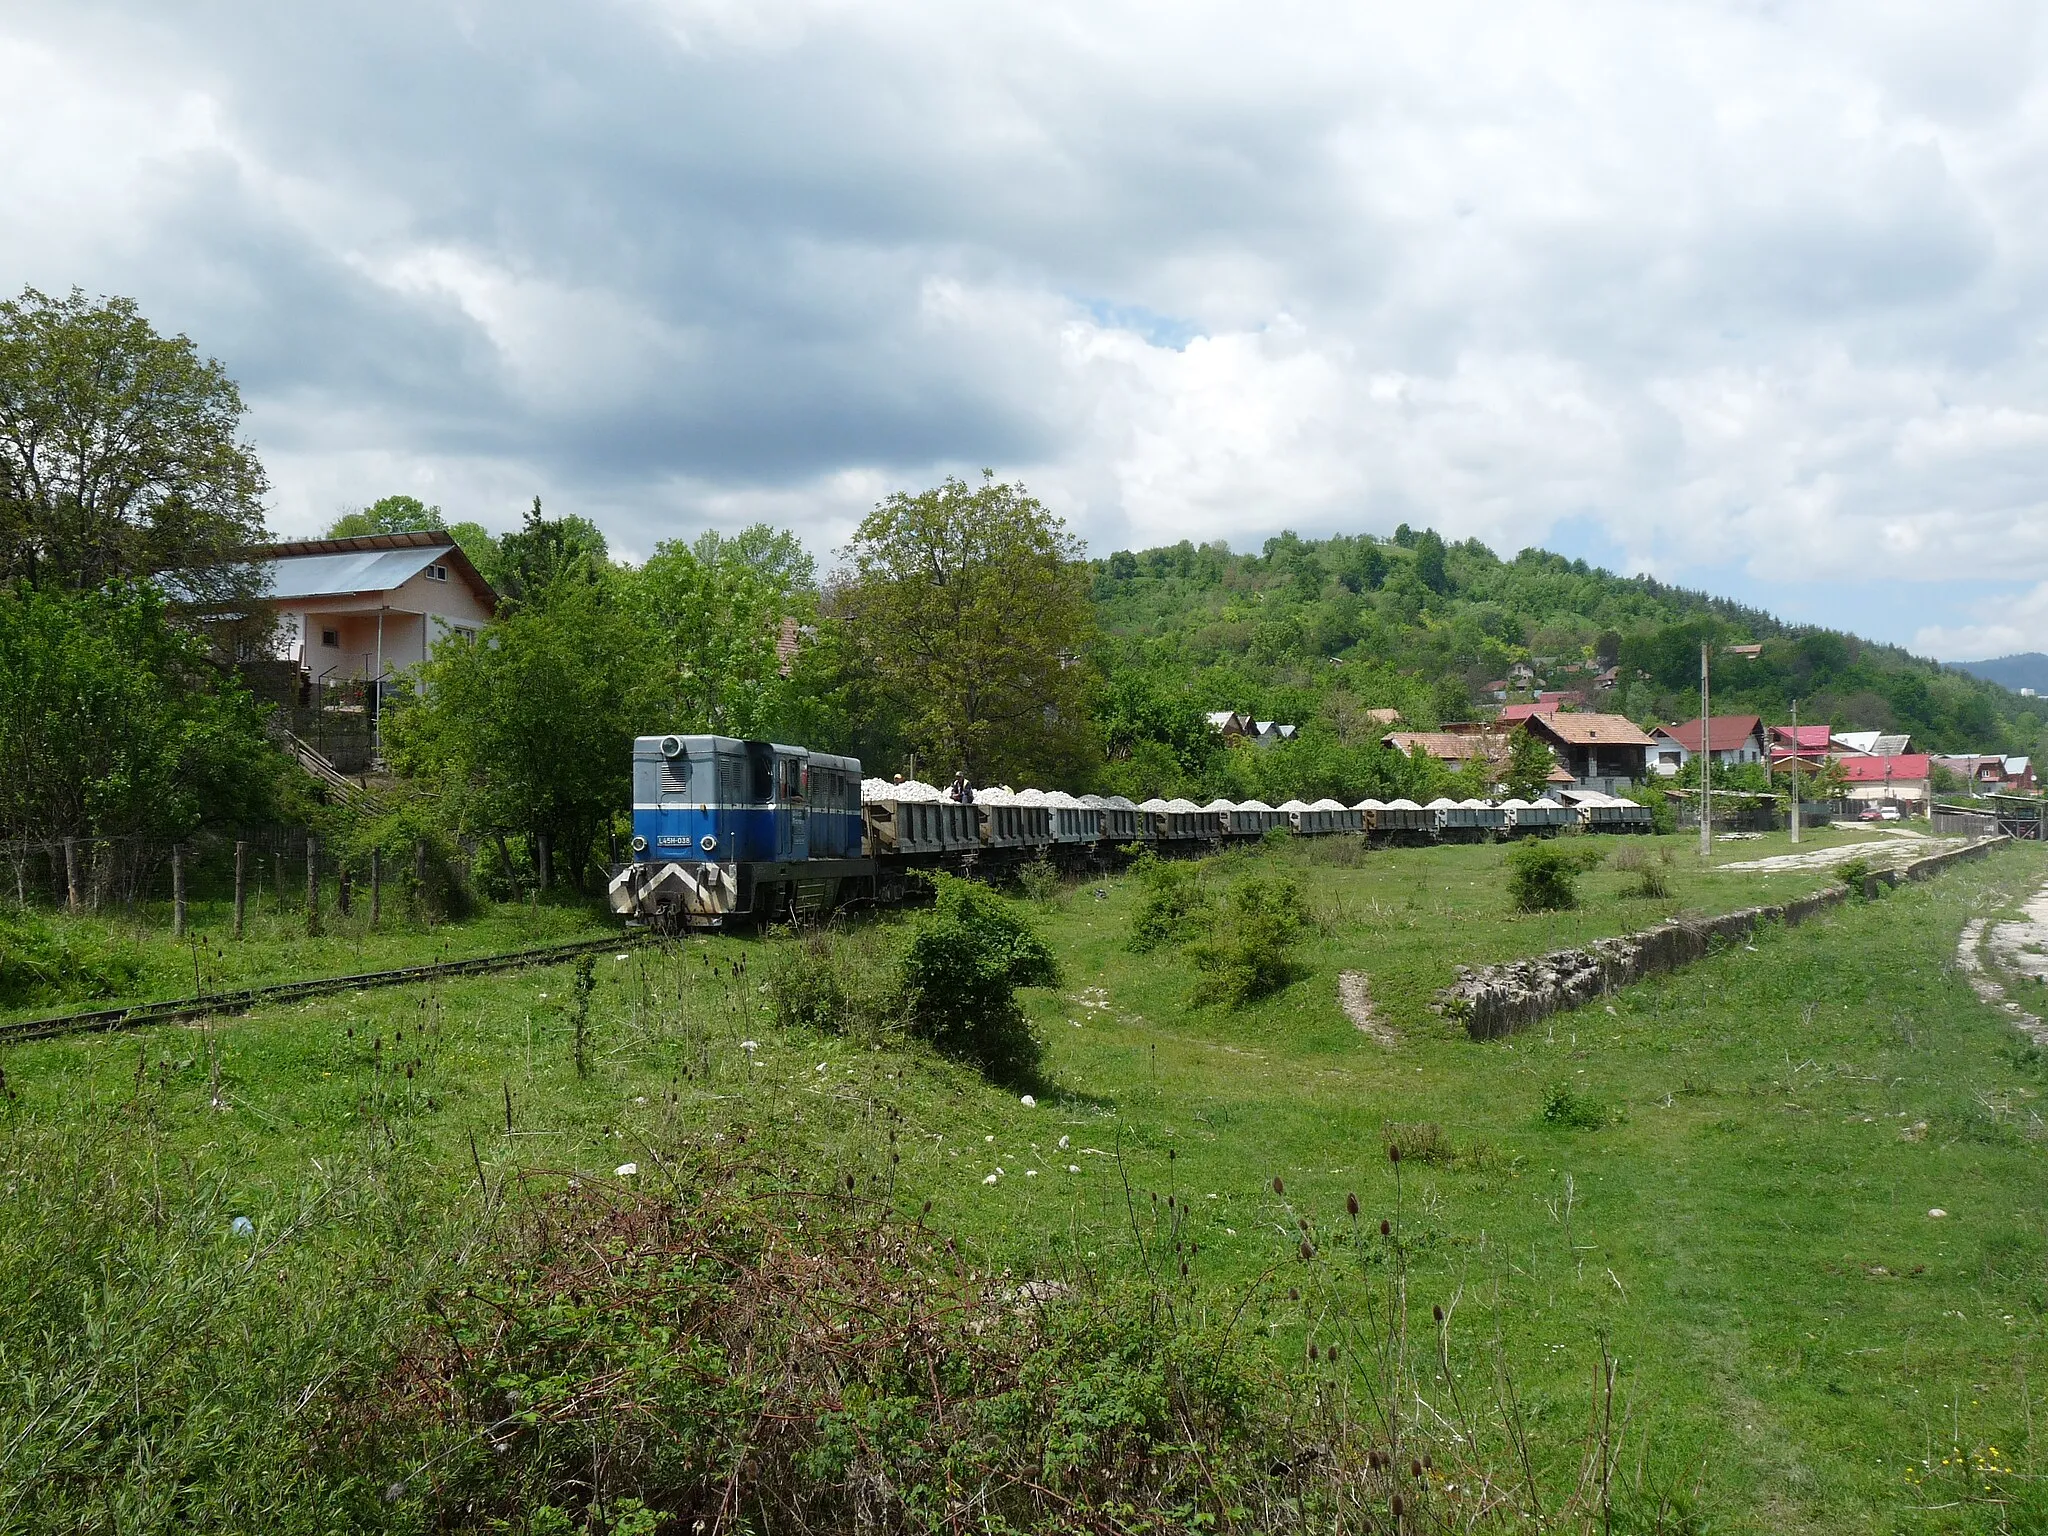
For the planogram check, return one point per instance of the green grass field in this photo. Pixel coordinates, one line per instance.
(1740, 1215)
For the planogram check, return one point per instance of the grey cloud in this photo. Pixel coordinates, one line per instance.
(1735, 272)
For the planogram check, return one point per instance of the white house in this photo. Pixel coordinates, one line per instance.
(367, 608)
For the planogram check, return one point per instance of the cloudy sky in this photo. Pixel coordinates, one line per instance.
(1746, 294)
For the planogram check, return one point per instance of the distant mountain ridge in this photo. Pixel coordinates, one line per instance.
(2029, 669)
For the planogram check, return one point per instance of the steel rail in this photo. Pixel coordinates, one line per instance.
(211, 1004)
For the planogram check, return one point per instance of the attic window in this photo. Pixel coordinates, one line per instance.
(437, 573)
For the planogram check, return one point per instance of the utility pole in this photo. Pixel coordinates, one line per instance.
(1798, 767)
(1706, 766)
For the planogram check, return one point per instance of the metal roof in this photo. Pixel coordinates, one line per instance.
(374, 562)
(366, 570)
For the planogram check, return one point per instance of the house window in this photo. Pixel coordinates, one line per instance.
(331, 637)
(465, 634)
(437, 573)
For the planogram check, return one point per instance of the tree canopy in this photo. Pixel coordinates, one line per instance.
(970, 605)
(113, 723)
(716, 608)
(388, 514)
(120, 452)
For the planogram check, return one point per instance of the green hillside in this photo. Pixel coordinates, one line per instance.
(1318, 632)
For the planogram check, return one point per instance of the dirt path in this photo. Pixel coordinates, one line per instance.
(1900, 847)
(2018, 954)
(1354, 992)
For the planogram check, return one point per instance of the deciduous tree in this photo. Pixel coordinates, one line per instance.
(388, 514)
(120, 452)
(971, 605)
(715, 609)
(530, 730)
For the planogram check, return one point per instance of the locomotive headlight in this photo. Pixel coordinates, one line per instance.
(708, 843)
(671, 746)
(639, 845)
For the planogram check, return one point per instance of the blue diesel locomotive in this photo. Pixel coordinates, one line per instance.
(725, 829)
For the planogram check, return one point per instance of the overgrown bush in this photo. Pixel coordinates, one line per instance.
(44, 962)
(1251, 951)
(732, 1352)
(1853, 873)
(1543, 876)
(1175, 906)
(959, 977)
(1040, 879)
(838, 982)
(432, 884)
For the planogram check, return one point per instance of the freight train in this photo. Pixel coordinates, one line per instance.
(728, 831)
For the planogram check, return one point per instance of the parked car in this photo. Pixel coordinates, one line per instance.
(1869, 815)
(1888, 813)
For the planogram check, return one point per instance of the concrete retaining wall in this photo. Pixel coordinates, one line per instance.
(1497, 1000)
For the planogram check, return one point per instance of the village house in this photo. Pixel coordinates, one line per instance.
(1870, 743)
(1732, 739)
(1990, 775)
(1905, 779)
(1515, 714)
(1607, 753)
(364, 609)
(1810, 744)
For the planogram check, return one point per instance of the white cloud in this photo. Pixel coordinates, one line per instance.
(2012, 624)
(1729, 285)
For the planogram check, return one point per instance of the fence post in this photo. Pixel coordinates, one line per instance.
(177, 890)
(376, 886)
(312, 884)
(342, 903)
(71, 875)
(542, 845)
(241, 883)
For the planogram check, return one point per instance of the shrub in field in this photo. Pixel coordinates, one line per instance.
(1853, 873)
(431, 885)
(1544, 876)
(1175, 906)
(1565, 1106)
(835, 981)
(1251, 951)
(1650, 881)
(1040, 879)
(959, 977)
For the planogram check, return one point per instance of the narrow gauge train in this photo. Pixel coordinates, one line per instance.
(729, 831)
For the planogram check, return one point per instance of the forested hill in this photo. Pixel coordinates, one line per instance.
(1319, 631)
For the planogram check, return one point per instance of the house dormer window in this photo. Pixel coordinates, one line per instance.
(437, 573)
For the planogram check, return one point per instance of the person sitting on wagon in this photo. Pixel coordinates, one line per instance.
(962, 792)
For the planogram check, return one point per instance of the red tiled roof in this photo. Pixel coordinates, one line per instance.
(1512, 712)
(1875, 770)
(1726, 732)
(1809, 736)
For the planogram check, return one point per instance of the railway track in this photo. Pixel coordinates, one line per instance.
(213, 1004)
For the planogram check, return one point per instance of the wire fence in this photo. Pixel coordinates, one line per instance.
(282, 868)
